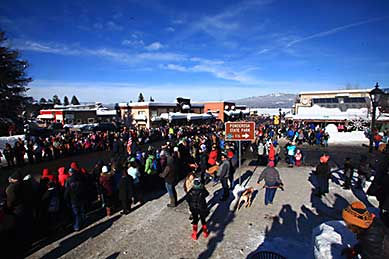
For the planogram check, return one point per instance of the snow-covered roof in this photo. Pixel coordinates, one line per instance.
(337, 91)
(189, 116)
(270, 111)
(317, 112)
(150, 104)
(105, 112)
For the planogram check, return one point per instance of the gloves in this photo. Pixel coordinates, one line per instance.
(349, 253)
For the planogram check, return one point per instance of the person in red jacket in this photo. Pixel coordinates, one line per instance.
(213, 156)
(48, 175)
(62, 176)
(106, 181)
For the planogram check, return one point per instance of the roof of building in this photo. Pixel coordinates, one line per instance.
(337, 91)
(157, 104)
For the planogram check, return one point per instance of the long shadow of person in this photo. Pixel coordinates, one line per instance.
(217, 224)
(75, 240)
(284, 227)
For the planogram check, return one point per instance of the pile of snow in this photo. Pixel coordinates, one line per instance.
(330, 238)
(354, 137)
(10, 140)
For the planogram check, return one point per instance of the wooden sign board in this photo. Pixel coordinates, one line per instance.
(242, 130)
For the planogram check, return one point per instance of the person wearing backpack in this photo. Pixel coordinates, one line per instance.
(198, 207)
(151, 164)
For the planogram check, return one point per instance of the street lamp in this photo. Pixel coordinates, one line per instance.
(375, 96)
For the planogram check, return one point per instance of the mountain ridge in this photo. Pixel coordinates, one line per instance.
(273, 100)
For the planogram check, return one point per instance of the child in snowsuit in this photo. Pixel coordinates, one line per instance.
(198, 207)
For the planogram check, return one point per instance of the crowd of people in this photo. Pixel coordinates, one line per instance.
(200, 154)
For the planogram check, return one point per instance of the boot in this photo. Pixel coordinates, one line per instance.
(194, 232)
(108, 210)
(205, 231)
(172, 203)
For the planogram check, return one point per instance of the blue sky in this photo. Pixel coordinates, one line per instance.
(208, 50)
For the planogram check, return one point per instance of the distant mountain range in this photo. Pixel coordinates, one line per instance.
(274, 100)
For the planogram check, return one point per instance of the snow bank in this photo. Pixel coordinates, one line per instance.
(11, 140)
(330, 238)
(354, 137)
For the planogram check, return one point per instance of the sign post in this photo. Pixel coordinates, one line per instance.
(238, 131)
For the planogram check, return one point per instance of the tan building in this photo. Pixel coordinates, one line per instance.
(225, 111)
(147, 114)
(342, 99)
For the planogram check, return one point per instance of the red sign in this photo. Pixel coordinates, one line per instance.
(240, 131)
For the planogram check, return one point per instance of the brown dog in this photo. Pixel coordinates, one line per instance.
(246, 198)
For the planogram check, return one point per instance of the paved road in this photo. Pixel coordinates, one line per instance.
(155, 231)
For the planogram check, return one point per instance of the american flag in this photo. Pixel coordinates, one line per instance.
(129, 144)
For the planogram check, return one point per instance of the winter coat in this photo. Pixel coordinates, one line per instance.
(271, 177)
(48, 175)
(62, 176)
(107, 183)
(196, 200)
(15, 198)
(149, 165)
(323, 170)
(169, 173)
(224, 169)
(212, 157)
(134, 173)
(373, 242)
(126, 188)
(75, 189)
(261, 149)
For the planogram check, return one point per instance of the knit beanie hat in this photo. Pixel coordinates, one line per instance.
(74, 166)
(271, 163)
(356, 214)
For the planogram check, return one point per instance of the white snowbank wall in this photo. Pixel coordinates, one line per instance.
(11, 140)
(330, 238)
(354, 137)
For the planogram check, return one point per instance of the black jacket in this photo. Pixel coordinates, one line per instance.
(323, 170)
(196, 200)
(126, 188)
(373, 242)
(75, 189)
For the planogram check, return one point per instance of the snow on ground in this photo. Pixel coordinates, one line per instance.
(330, 238)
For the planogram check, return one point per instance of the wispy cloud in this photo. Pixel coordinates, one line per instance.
(213, 67)
(336, 30)
(154, 46)
(170, 29)
(227, 21)
(133, 43)
(124, 92)
(109, 25)
(113, 54)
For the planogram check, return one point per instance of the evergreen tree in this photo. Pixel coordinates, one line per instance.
(151, 99)
(65, 101)
(42, 101)
(56, 100)
(74, 100)
(13, 81)
(141, 98)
